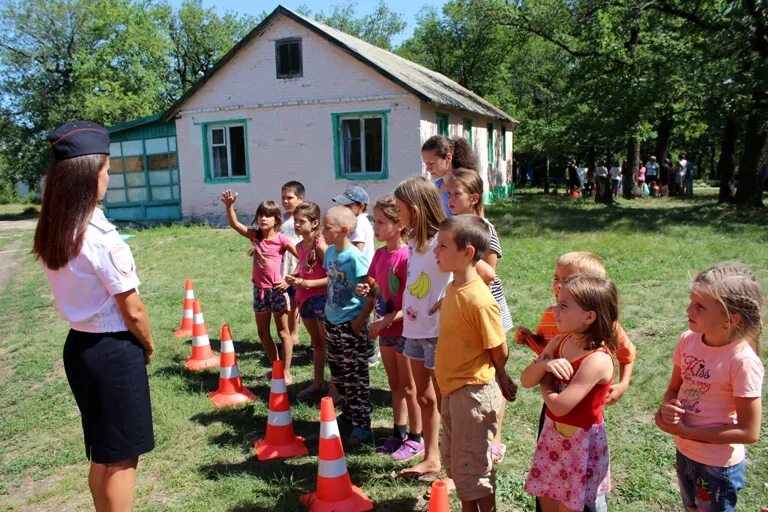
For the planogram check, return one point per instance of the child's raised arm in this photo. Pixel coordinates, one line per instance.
(594, 368)
(228, 198)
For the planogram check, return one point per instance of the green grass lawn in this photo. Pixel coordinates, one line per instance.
(204, 459)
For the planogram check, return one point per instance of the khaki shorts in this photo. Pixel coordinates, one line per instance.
(470, 421)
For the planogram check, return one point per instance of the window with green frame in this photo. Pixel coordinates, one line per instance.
(468, 131)
(225, 151)
(442, 124)
(360, 145)
(491, 152)
(503, 142)
(143, 170)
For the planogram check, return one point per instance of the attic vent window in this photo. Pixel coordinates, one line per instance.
(288, 58)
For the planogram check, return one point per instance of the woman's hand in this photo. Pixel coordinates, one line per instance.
(560, 368)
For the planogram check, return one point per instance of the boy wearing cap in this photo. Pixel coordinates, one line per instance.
(356, 199)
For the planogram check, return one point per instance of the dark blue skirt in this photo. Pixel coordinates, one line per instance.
(108, 377)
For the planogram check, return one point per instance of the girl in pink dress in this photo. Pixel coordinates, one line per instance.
(571, 465)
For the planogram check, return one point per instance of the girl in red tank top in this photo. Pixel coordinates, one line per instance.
(571, 465)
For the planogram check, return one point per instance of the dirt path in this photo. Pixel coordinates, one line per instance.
(10, 256)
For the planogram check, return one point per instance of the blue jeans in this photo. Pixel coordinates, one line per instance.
(708, 488)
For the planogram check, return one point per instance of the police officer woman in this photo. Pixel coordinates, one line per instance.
(93, 279)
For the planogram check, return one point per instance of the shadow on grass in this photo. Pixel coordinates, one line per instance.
(557, 213)
(28, 214)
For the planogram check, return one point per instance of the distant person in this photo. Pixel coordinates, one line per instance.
(603, 184)
(679, 177)
(92, 275)
(615, 173)
(651, 170)
(442, 155)
(574, 183)
(641, 176)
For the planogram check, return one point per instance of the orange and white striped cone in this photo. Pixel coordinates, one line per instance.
(231, 390)
(335, 492)
(438, 497)
(202, 356)
(187, 312)
(280, 442)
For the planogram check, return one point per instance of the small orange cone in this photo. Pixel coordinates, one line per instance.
(335, 492)
(438, 497)
(186, 314)
(202, 356)
(231, 390)
(280, 441)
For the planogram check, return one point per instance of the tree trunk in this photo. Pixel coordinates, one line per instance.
(712, 171)
(727, 159)
(629, 174)
(750, 189)
(546, 177)
(663, 133)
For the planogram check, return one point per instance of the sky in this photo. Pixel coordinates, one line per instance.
(408, 8)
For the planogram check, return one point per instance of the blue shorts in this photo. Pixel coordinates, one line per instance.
(708, 488)
(396, 342)
(269, 300)
(421, 350)
(313, 308)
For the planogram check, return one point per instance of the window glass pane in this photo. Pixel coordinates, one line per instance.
(175, 176)
(219, 163)
(217, 136)
(350, 135)
(116, 181)
(134, 179)
(171, 143)
(237, 149)
(176, 193)
(173, 162)
(153, 146)
(288, 58)
(155, 162)
(373, 144)
(133, 147)
(115, 165)
(161, 193)
(133, 164)
(159, 178)
(114, 149)
(137, 194)
(115, 196)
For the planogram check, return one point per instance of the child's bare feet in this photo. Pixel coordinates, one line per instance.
(425, 471)
(309, 391)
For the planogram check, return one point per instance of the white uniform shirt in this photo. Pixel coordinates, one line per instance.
(84, 288)
(364, 233)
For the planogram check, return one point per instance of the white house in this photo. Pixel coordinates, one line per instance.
(298, 100)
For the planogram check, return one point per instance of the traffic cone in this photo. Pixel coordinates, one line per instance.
(335, 492)
(438, 497)
(280, 441)
(186, 314)
(231, 390)
(202, 356)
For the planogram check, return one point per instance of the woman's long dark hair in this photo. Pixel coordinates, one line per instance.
(461, 151)
(69, 198)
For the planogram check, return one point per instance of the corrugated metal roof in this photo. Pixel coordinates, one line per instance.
(428, 85)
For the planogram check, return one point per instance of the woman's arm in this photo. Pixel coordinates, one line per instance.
(135, 316)
(594, 368)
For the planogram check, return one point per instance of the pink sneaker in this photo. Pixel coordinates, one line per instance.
(408, 450)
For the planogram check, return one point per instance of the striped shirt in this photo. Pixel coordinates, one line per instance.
(497, 289)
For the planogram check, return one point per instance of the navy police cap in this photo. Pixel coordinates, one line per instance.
(78, 138)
